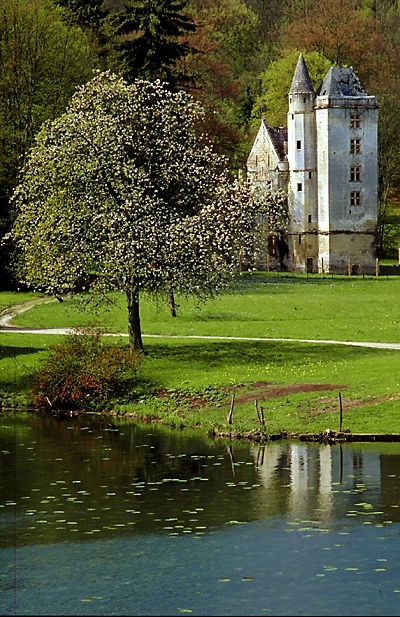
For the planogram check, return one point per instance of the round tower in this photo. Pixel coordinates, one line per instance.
(302, 158)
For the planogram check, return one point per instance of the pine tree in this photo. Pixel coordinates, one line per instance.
(151, 44)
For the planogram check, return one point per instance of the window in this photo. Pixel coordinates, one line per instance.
(355, 146)
(309, 175)
(355, 121)
(355, 198)
(355, 173)
(298, 144)
(299, 239)
(299, 186)
(309, 218)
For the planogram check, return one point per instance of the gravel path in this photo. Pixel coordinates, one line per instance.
(8, 314)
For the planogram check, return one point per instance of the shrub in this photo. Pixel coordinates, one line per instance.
(82, 372)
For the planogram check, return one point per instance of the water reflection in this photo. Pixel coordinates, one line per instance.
(90, 475)
(316, 478)
(74, 494)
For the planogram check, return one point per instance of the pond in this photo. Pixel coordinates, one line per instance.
(100, 516)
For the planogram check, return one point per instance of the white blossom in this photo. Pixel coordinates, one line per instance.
(124, 187)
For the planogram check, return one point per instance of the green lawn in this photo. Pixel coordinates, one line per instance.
(261, 306)
(9, 298)
(340, 308)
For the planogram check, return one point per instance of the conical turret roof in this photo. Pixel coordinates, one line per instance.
(301, 80)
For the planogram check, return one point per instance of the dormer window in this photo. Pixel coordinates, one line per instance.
(355, 121)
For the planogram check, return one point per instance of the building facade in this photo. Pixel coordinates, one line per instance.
(327, 161)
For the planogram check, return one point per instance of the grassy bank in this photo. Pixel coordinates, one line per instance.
(190, 382)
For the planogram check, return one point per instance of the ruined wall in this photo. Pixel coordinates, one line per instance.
(350, 251)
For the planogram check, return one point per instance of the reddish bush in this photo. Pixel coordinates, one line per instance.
(82, 372)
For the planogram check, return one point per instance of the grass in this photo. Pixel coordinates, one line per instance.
(10, 298)
(20, 355)
(190, 370)
(368, 379)
(342, 308)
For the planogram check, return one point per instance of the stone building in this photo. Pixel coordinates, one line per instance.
(327, 161)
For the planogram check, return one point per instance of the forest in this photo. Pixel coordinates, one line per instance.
(236, 57)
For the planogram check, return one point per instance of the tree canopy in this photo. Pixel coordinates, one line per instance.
(233, 56)
(43, 58)
(151, 43)
(124, 188)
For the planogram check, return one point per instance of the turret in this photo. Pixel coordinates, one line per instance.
(303, 169)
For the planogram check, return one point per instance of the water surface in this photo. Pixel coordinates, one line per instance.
(100, 516)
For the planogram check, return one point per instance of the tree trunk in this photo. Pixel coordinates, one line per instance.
(135, 333)
(171, 303)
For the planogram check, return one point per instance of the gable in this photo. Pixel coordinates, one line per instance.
(268, 149)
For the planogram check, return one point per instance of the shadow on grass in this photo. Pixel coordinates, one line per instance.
(16, 385)
(257, 284)
(12, 351)
(203, 354)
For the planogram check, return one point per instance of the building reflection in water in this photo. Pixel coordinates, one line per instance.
(325, 496)
(314, 477)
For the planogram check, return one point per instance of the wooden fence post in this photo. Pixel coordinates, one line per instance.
(259, 412)
(229, 419)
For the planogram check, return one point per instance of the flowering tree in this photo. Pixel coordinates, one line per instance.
(122, 187)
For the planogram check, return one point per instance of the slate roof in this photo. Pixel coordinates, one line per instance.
(278, 137)
(341, 82)
(301, 82)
